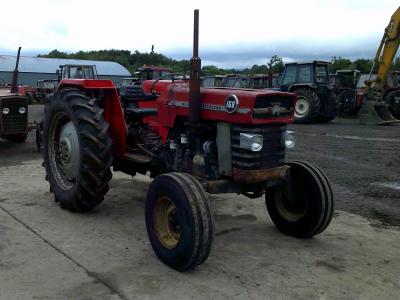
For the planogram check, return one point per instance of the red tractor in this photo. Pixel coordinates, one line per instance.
(194, 141)
(13, 110)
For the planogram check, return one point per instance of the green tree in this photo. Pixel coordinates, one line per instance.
(339, 63)
(212, 70)
(362, 64)
(275, 65)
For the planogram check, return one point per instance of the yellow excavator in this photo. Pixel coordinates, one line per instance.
(374, 109)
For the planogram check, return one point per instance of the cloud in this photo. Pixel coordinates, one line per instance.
(231, 33)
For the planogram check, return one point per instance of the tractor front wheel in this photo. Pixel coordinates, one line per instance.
(308, 208)
(77, 150)
(179, 223)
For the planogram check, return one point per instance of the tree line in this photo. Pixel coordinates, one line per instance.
(133, 60)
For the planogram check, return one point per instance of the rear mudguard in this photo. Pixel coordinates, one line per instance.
(113, 113)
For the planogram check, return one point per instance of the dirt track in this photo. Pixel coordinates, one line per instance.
(49, 253)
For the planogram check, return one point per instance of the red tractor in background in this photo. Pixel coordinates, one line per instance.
(193, 141)
(13, 110)
(344, 83)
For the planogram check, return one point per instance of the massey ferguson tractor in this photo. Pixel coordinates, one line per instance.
(193, 141)
(13, 110)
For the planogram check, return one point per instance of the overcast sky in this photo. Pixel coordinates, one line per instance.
(232, 33)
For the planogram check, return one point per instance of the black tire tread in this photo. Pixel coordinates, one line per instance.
(329, 207)
(389, 98)
(315, 105)
(202, 217)
(327, 204)
(95, 172)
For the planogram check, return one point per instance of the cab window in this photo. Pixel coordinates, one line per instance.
(304, 73)
(290, 75)
(321, 75)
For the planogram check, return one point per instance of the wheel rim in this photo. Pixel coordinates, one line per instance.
(166, 222)
(294, 209)
(64, 151)
(302, 107)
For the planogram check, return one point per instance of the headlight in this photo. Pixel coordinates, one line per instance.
(6, 111)
(288, 141)
(252, 142)
(22, 110)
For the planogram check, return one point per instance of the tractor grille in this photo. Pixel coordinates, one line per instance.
(267, 107)
(271, 155)
(13, 122)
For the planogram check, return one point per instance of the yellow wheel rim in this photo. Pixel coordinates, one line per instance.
(166, 222)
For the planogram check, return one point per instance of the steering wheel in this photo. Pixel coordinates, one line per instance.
(162, 77)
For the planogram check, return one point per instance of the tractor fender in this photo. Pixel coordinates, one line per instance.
(111, 104)
(301, 85)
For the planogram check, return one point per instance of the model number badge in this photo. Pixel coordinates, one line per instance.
(231, 104)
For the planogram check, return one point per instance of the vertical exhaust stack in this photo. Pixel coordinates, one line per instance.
(195, 80)
(14, 83)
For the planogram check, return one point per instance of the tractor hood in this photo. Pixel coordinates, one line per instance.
(240, 106)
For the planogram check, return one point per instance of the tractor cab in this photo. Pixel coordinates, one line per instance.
(310, 82)
(152, 73)
(77, 72)
(344, 85)
(44, 88)
(237, 81)
(346, 79)
(305, 73)
(213, 80)
(127, 81)
(265, 81)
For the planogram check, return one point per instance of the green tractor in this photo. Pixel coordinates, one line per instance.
(310, 82)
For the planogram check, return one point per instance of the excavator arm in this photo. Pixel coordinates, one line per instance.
(374, 110)
(387, 49)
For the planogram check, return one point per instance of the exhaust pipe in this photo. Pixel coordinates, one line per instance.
(14, 83)
(195, 80)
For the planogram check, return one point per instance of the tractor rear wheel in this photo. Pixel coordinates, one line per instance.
(310, 209)
(393, 100)
(179, 222)
(77, 150)
(307, 106)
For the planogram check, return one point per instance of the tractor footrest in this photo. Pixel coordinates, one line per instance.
(142, 112)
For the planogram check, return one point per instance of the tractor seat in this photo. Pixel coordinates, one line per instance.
(141, 112)
(136, 93)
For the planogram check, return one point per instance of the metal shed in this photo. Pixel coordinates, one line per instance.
(32, 69)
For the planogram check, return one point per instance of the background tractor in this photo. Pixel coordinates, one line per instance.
(213, 80)
(44, 88)
(77, 72)
(391, 93)
(151, 73)
(310, 82)
(13, 110)
(192, 141)
(345, 91)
